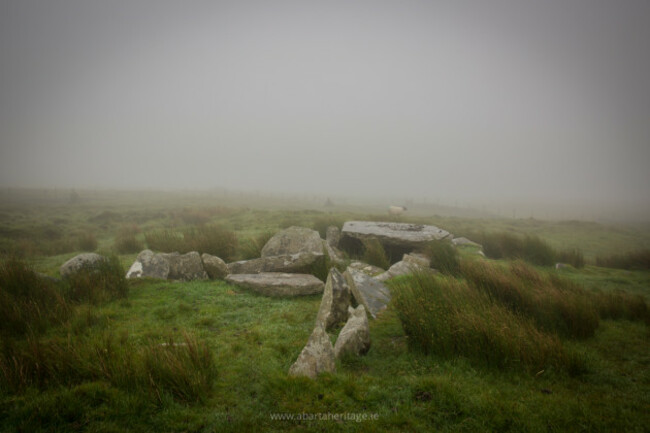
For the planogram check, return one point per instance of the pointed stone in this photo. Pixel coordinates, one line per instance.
(355, 336)
(336, 299)
(316, 357)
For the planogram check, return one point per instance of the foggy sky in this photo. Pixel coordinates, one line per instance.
(469, 99)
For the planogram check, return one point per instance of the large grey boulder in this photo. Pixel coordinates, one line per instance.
(394, 237)
(300, 263)
(410, 263)
(80, 262)
(149, 265)
(294, 240)
(332, 236)
(278, 284)
(366, 268)
(336, 300)
(214, 266)
(373, 294)
(185, 267)
(354, 338)
(316, 357)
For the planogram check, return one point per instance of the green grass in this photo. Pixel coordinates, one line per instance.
(233, 375)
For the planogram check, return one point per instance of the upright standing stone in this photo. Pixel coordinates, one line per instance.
(336, 299)
(355, 335)
(316, 357)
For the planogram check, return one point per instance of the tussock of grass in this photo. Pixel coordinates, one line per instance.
(28, 302)
(444, 257)
(102, 282)
(321, 223)
(185, 370)
(530, 248)
(574, 257)
(126, 241)
(555, 305)
(375, 254)
(251, 248)
(165, 240)
(621, 305)
(638, 260)
(210, 239)
(87, 242)
(447, 317)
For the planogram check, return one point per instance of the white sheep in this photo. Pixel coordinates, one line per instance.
(396, 210)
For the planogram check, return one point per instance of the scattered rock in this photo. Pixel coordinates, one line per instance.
(366, 268)
(79, 262)
(214, 267)
(278, 284)
(332, 236)
(185, 267)
(409, 264)
(465, 242)
(293, 240)
(149, 265)
(336, 300)
(417, 260)
(373, 294)
(316, 357)
(355, 336)
(300, 263)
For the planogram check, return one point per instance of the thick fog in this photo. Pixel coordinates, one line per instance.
(543, 100)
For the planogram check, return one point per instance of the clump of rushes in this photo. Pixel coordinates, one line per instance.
(101, 282)
(375, 254)
(29, 303)
(126, 241)
(637, 260)
(555, 305)
(87, 242)
(444, 257)
(185, 370)
(445, 316)
(251, 247)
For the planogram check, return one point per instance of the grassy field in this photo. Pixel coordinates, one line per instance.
(139, 363)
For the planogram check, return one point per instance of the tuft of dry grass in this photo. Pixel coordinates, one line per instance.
(555, 305)
(448, 317)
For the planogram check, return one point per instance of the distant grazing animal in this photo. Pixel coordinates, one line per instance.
(396, 210)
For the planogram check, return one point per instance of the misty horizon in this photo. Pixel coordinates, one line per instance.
(456, 102)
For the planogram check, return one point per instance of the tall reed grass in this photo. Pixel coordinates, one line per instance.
(633, 260)
(563, 308)
(184, 369)
(210, 239)
(29, 303)
(447, 317)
